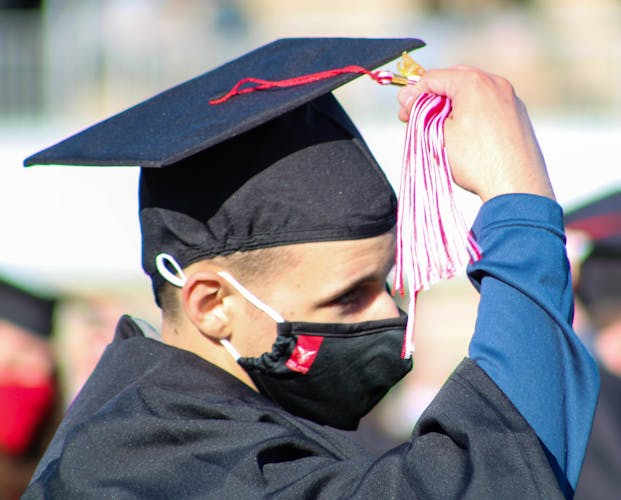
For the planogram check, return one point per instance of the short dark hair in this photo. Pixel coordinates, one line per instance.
(248, 267)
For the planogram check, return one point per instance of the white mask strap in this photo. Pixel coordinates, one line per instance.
(250, 297)
(162, 261)
(229, 347)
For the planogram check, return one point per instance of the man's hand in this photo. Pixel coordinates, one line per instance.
(489, 139)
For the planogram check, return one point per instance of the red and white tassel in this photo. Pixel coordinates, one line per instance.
(433, 241)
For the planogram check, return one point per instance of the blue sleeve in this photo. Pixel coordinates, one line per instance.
(523, 336)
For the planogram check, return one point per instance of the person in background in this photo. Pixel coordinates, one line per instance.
(30, 400)
(86, 324)
(596, 227)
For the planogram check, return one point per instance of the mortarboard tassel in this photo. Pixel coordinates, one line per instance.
(433, 242)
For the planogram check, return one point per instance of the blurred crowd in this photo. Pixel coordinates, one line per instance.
(49, 345)
(594, 246)
(31, 400)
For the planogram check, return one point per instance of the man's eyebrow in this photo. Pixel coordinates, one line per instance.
(380, 274)
(350, 287)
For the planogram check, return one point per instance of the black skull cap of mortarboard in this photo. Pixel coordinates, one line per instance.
(599, 285)
(263, 169)
(26, 309)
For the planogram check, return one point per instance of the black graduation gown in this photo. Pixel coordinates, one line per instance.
(154, 421)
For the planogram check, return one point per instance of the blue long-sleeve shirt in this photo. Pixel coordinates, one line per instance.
(523, 337)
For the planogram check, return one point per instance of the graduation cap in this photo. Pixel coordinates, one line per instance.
(599, 285)
(262, 169)
(26, 309)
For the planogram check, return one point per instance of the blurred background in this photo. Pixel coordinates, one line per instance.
(65, 64)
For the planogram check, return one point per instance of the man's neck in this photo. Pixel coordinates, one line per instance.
(189, 338)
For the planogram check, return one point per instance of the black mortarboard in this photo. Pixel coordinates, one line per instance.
(599, 286)
(26, 309)
(267, 168)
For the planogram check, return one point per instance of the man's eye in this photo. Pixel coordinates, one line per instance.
(358, 297)
(349, 298)
(355, 300)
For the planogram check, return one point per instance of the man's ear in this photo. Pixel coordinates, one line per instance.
(202, 297)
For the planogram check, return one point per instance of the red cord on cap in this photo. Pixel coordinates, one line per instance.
(382, 77)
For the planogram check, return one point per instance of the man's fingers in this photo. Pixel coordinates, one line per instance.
(444, 82)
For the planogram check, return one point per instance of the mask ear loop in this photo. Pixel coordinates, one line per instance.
(250, 297)
(255, 301)
(226, 343)
(162, 261)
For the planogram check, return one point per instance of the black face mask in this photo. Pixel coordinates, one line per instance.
(333, 374)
